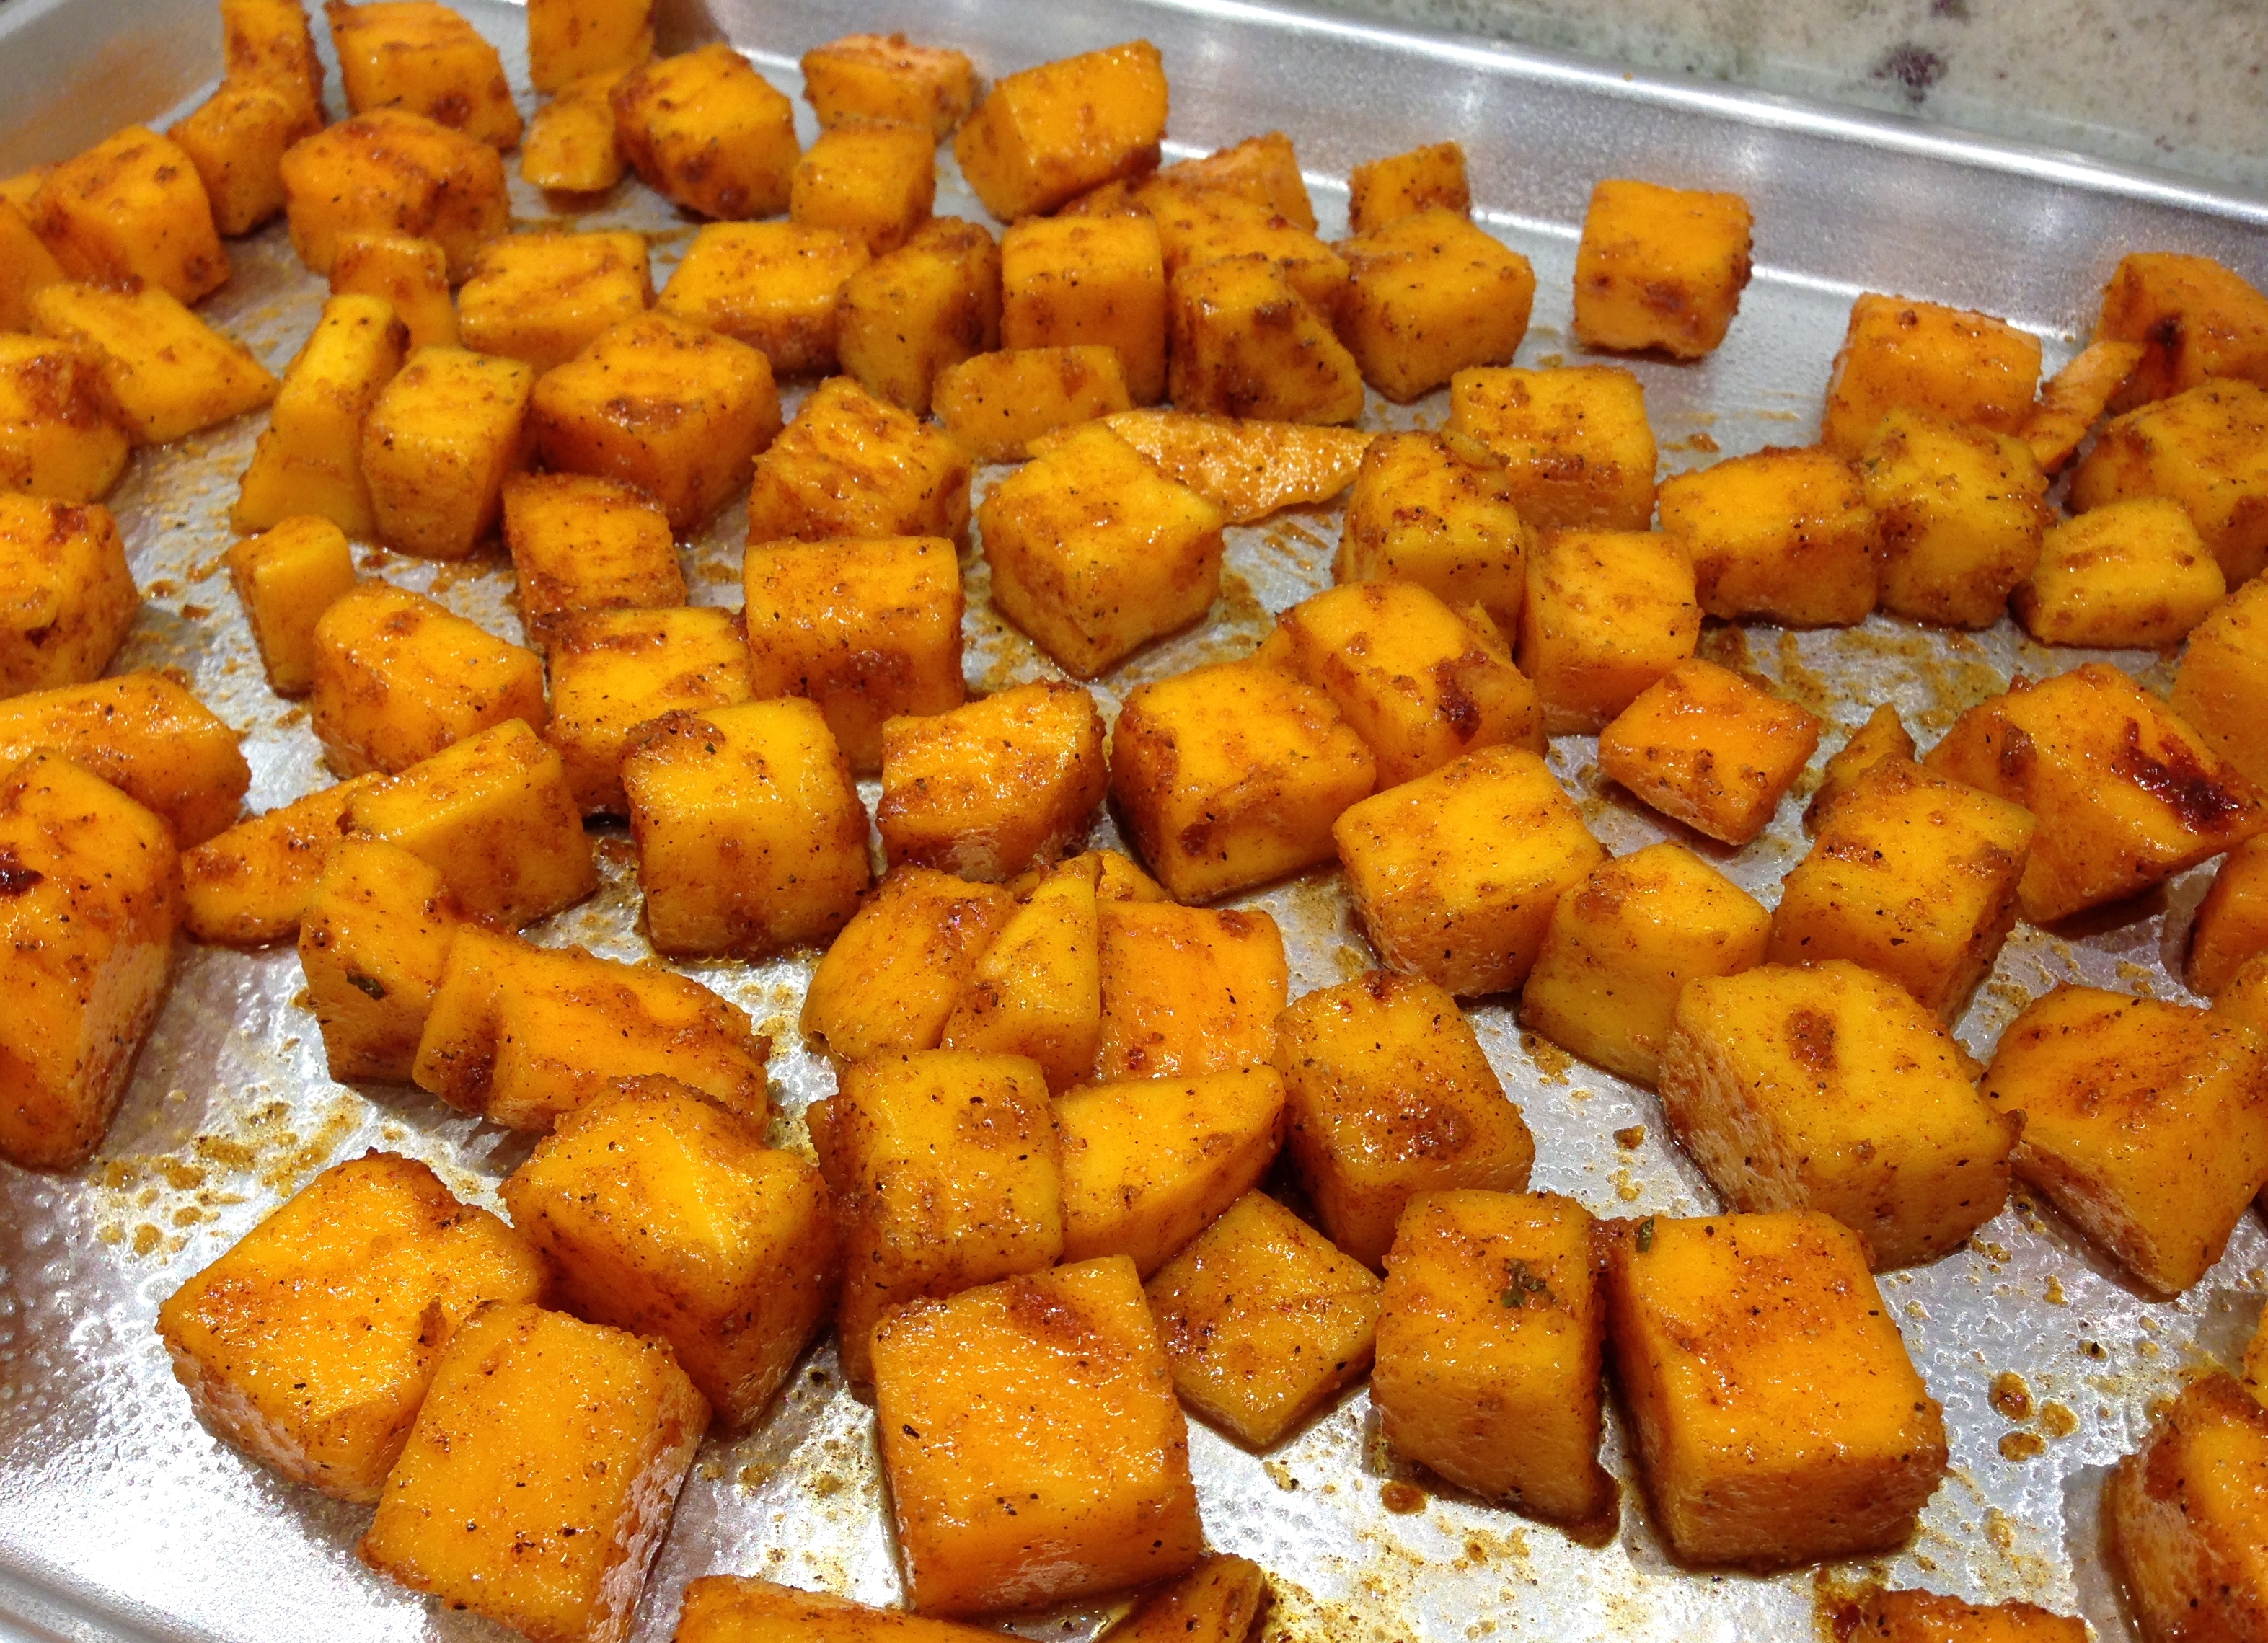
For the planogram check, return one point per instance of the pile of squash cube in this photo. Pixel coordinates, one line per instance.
(1088, 1162)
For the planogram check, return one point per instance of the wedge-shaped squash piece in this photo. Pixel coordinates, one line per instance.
(1704, 746)
(145, 734)
(132, 208)
(66, 594)
(437, 446)
(851, 465)
(1006, 406)
(884, 77)
(1099, 281)
(1242, 342)
(582, 544)
(248, 886)
(411, 274)
(906, 318)
(1037, 992)
(1045, 134)
(1778, 1417)
(1946, 362)
(237, 138)
(2207, 448)
(58, 438)
(889, 982)
(309, 459)
(1221, 1601)
(990, 790)
(742, 1609)
(1402, 184)
(89, 892)
(1883, 737)
(284, 579)
(310, 1344)
(614, 672)
(574, 145)
(1575, 440)
(1914, 1616)
(1438, 510)
(164, 371)
(2073, 400)
(706, 131)
(543, 298)
(1661, 268)
(2130, 576)
(1050, 1394)
(1249, 469)
(873, 184)
(420, 56)
(392, 170)
(1784, 534)
(374, 939)
(2192, 318)
(2186, 1519)
(1187, 991)
(569, 41)
(397, 678)
(774, 286)
(2231, 922)
(563, 1445)
(1431, 295)
(1959, 511)
(2220, 689)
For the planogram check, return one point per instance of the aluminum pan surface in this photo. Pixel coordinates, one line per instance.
(120, 1516)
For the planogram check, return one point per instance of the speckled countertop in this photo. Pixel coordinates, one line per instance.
(2181, 84)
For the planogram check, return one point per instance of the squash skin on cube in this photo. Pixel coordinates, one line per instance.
(775, 286)
(1624, 942)
(1438, 512)
(852, 465)
(574, 145)
(663, 1214)
(1037, 991)
(571, 39)
(2128, 576)
(1949, 364)
(236, 139)
(1705, 747)
(542, 1432)
(906, 318)
(390, 172)
(1959, 511)
(374, 939)
(1574, 438)
(145, 734)
(420, 56)
(66, 594)
(2126, 793)
(1490, 1342)
(164, 371)
(1916, 1617)
(309, 457)
(411, 274)
(889, 983)
(543, 298)
(750, 834)
(133, 207)
(1661, 268)
(1188, 991)
(997, 404)
(1051, 1391)
(2231, 924)
(94, 895)
(1088, 280)
(1244, 343)
(942, 1163)
(1778, 1419)
(1783, 534)
(580, 544)
(882, 76)
(58, 439)
(2146, 1123)
(705, 131)
(1426, 179)
(2207, 448)
(614, 672)
(987, 790)
(1391, 1096)
(2220, 689)
(437, 446)
(2184, 1516)
(269, 40)
(1263, 1320)
(248, 886)
(1607, 613)
(1045, 134)
(874, 184)
(1454, 875)
(309, 1345)
(742, 1609)
(1431, 295)
(2193, 319)
(396, 678)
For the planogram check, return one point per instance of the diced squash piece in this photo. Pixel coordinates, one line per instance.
(1433, 296)
(1221, 1601)
(1050, 1394)
(1607, 614)
(774, 286)
(2220, 689)
(420, 56)
(493, 813)
(248, 886)
(310, 1344)
(1661, 268)
(864, 77)
(539, 1434)
(1188, 991)
(873, 184)
(270, 40)
(2193, 317)
(1391, 1096)
(987, 790)
(2146, 1123)
(906, 318)
(1947, 363)
(1623, 943)
(374, 939)
(1099, 281)
(2129, 575)
(750, 834)
(1044, 134)
(393, 172)
(398, 676)
(706, 131)
(1244, 343)
(996, 404)
(145, 734)
(2073, 400)
(1959, 512)
(543, 298)
(411, 274)
(58, 438)
(1916, 1617)
(1247, 468)
(1490, 1342)
(2126, 793)
(132, 208)
(2232, 922)
(164, 371)
(1264, 169)
(66, 594)
(889, 982)
(571, 39)
(742, 1609)
(1883, 737)
(308, 461)
(1426, 179)
(2207, 449)
(437, 446)
(236, 138)
(1778, 1417)
(581, 544)
(1783, 534)
(574, 145)
(1705, 747)
(1198, 225)
(1037, 992)
(1437, 510)
(1574, 439)
(614, 672)
(2187, 1516)
(851, 465)
(89, 892)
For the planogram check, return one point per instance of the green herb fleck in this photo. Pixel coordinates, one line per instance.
(366, 984)
(1645, 1235)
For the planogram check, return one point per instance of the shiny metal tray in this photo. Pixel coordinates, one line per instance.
(121, 1518)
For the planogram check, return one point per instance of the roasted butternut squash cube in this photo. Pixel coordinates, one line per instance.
(493, 813)
(580, 544)
(1431, 295)
(750, 835)
(677, 411)
(1783, 534)
(2193, 317)
(374, 939)
(1705, 747)
(248, 886)
(2129, 575)
(2220, 689)
(1050, 1393)
(1198, 225)
(987, 791)
(2232, 922)
(891, 980)
(1149, 1163)
(1231, 775)
(1607, 614)
(1882, 737)
(1088, 280)
(862, 78)
(706, 131)
(1912, 875)
(2184, 1516)
(308, 461)
(2072, 401)
(2146, 1123)
(1574, 439)
(1778, 1417)
(1390, 1095)
(2126, 793)
(1432, 177)
(574, 145)
(420, 56)
(571, 39)
(437, 446)
(1661, 268)
(398, 676)
(131, 207)
(58, 437)
(665, 1215)
(1044, 134)
(851, 465)
(1915, 1616)
(1187, 991)
(2205, 448)
(412, 274)
(94, 894)
(1244, 343)
(771, 285)
(26, 265)
(236, 139)
(145, 734)
(943, 1167)
(543, 298)
(1221, 1601)
(1037, 992)
(66, 594)
(872, 184)
(1263, 1320)
(1959, 512)
(1829, 1088)
(164, 372)
(1947, 363)
(996, 405)
(742, 1609)
(1264, 169)
(1622, 944)
(1490, 1334)
(393, 172)
(540, 1434)
(1437, 510)
(1247, 468)
(1093, 552)
(614, 672)
(310, 1344)
(270, 40)
(905, 319)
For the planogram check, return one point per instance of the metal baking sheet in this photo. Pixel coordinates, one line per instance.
(121, 1518)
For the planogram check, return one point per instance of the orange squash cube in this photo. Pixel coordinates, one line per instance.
(164, 371)
(705, 131)
(2130, 576)
(250, 885)
(543, 298)
(1402, 184)
(59, 438)
(236, 139)
(145, 734)
(374, 938)
(1913, 1616)
(1574, 438)
(1607, 613)
(397, 677)
(614, 672)
(1705, 747)
(906, 318)
(437, 445)
(269, 40)
(580, 544)
(851, 465)
(999, 405)
(66, 594)
(1187, 991)
(775, 286)
(420, 56)
(1785, 535)
(2231, 924)
(1959, 512)
(133, 207)
(1037, 992)
(872, 183)
(1431, 295)
(1661, 268)
(862, 77)
(1945, 362)
(1045, 134)
(309, 458)
(891, 980)
(1882, 737)
(2185, 1519)
(1437, 511)
(1198, 225)
(987, 791)
(411, 274)
(1264, 169)
(2207, 449)
(2220, 689)
(1069, 281)
(393, 172)
(571, 39)
(1222, 1597)
(1244, 343)
(2193, 317)
(574, 145)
